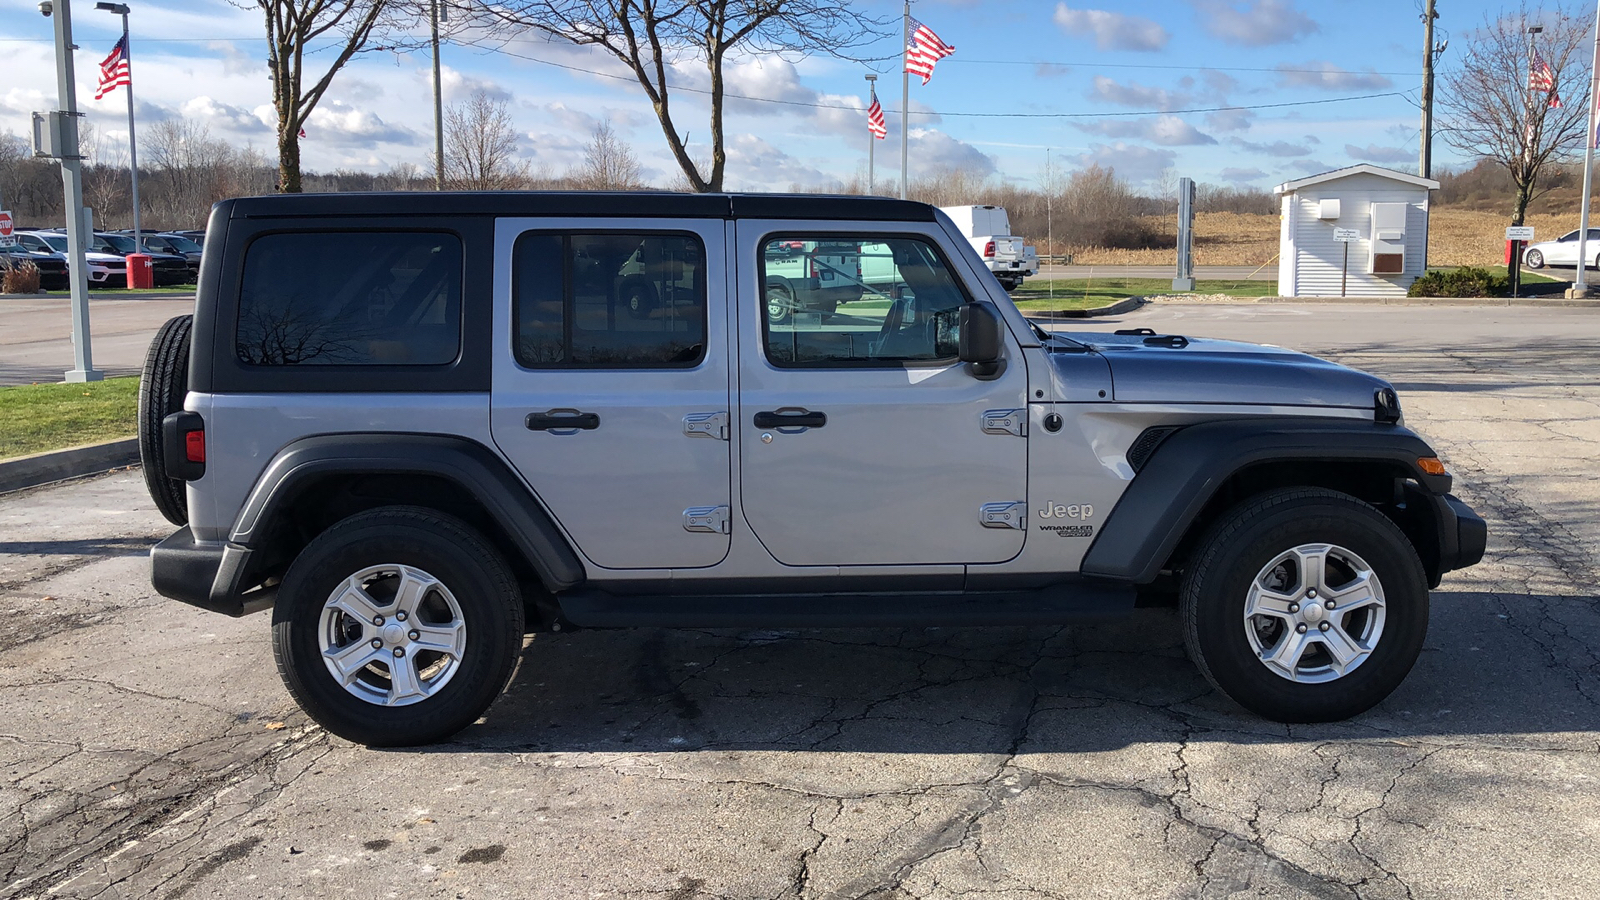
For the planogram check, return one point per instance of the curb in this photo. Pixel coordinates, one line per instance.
(73, 462)
(1115, 309)
(94, 295)
(1553, 302)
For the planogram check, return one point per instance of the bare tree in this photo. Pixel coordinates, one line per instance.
(608, 163)
(1490, 112)
(480, 146)
(651, 36)
(292, 26)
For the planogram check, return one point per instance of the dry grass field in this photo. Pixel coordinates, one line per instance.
(1459, 237)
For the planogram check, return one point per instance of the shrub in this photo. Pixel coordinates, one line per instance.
(1471, 281)
(19, 277)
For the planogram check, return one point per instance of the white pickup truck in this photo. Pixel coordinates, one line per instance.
(989, 231)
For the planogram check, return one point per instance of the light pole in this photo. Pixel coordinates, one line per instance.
(122, 10)
(1580, 287)
(65, 141)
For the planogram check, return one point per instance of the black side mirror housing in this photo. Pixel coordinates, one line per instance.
(982, 341)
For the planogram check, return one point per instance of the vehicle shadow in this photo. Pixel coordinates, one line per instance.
(1494, 664)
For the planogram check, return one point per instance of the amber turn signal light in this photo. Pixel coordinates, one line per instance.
(1431, 465)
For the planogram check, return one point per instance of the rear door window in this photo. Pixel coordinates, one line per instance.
(351, 299)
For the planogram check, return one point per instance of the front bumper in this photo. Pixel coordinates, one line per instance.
(207, 575)
(1448, 535)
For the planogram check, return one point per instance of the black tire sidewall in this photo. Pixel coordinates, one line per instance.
(448, 550)
(788, 309)
(163, 385)
(1214, 596)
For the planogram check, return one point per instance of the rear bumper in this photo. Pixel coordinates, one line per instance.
(207, 575)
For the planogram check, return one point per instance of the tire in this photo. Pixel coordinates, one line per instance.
(1237, 559)
(639, 299)
(469, 599)
(162, 387)
(1535, 259)
(780, 304)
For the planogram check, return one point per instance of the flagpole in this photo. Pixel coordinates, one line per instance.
(1580, 287)
(133, 145)
(905, 102)
(872, 139)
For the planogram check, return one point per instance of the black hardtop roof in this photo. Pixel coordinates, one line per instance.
(620, 204)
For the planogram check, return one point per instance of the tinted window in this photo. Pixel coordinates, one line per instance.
(359, 298)
(858, 301)
(612, 300)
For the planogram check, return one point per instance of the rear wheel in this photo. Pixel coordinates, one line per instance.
(639, 298)
(397, 627)
(780, 304)
(1305, 605)
(1535, 259)
(162, 387)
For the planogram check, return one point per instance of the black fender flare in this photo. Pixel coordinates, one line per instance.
(465, 463)
(1187, 468)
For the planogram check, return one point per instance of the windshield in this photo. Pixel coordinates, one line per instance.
(115, 243)
(57, 242)
(183, 244)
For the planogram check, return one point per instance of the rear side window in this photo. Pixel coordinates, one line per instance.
(351, 299)
(635, 300)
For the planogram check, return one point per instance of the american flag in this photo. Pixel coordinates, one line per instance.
(114, 70)
(1542, 79)
(875, 122)
(924, 50)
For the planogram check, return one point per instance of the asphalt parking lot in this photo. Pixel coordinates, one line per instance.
(149, 750)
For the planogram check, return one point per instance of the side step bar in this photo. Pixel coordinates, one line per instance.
(1058, 605)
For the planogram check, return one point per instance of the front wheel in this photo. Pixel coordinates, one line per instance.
(1535, 259)
(1305, 605)
(397, 627)
(780, 304)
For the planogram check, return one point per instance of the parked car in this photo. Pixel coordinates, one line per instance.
(176, 245)
(169, 268)
(815, 276)
(106, 269)
(412, 461)
(1563, 251)
(52, 266)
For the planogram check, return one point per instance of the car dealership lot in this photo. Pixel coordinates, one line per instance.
(149, 748)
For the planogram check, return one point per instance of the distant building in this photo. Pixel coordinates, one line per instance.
(1386, 212)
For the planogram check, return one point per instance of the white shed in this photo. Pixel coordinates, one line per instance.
(1388, 210)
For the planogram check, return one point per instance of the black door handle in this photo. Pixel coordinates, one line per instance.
(562, 420)
(790, 418)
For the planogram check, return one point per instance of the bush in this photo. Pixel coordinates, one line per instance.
(19, 278)
(1471, 281)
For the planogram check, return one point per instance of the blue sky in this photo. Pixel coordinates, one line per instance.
(204, 59)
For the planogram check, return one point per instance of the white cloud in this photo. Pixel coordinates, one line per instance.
(1254, 23)
(1168, 131)
(1136, 95)
(1323, 74)
(341, 124)
(1241, 176)
(753, 163)
(1140, 165)
(933, 151)
(1276, 148)
(1230, 120)
(217, 114)
(1112, 31)
(1375, 153)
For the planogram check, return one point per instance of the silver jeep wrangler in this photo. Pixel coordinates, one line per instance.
(418, 426)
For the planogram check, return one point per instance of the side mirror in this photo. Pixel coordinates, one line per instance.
(981, 341)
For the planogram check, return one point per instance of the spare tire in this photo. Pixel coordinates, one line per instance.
(162, 388)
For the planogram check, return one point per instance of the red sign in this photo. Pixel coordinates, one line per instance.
(5, 223)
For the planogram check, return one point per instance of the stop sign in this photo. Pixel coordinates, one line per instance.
(5, 223)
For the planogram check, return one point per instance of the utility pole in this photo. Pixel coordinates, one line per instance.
(438, 108)
(64, 140)
(1425, 167)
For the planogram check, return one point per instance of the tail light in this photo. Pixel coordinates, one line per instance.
(988, 250)
(184, 446)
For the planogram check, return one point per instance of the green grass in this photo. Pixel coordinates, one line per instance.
(1082, 293)
(42, 417)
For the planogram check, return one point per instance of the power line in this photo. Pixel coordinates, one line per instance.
(1275, 70)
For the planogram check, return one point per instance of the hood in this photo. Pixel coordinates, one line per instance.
(1148, 368)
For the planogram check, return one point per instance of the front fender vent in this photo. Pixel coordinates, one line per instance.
(1147, 442)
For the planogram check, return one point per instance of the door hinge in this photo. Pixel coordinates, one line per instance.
(1004, 515)
(711, 519)
(1005, 421)
(706, 425)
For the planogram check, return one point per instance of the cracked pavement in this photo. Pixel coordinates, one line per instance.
(148, 749)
